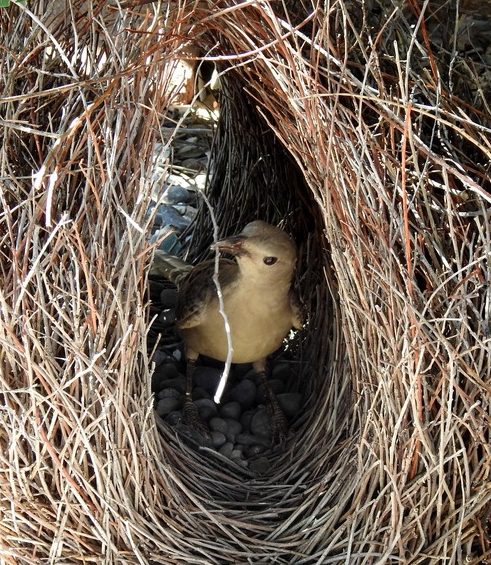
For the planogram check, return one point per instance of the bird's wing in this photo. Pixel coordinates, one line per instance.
(298, 319)
(169, 267)
(197, 291)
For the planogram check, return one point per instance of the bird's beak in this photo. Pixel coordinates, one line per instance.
(232, 245)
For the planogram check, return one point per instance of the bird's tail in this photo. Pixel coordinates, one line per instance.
(169, 267)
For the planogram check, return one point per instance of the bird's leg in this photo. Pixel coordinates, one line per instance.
(190, 412)
(279, 422)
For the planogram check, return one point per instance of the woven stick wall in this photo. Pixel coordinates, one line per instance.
(390, 461)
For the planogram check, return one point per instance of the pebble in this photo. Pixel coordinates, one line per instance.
(236, 453)
(207, 378)
(217, 439)
(218, 425)
(179, 383)
(169, 393)
(245, 393)
(175, 194)
(245, 419)
(167, 405)
(255, 450)
(159, 357)
(230, 410)
(282, 371)
(250, 439)
(290, 403)
(260, 465)
(233, 429)
(226, 449)
(170, 243)
(168, 298)
(206, 407)
(167, 317)
(168, 216)
(174, 418)
(261, 423)
(199, 392)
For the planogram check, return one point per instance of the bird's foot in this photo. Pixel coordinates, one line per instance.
(192, 420)
(279, 423)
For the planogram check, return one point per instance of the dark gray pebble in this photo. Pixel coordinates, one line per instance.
(174, 418)
(167, 317)
(217, 439)
(230, 410)
(167, 405)
(290, 403)
(170, 243)
(226, 449)
(168, 216)
(207, 378)
(282, 371)
(245, 393)
(170, 393)
(159, 357)
(167, 371)
(206, 407)
(254, 450)
(233, 429)
(176, 194)
(250, 439)
(168, 298)
(245, 419)
(219, 425)
(261, 423)
(261, 465)
(236, 453)
(179, 383)
(199, 392)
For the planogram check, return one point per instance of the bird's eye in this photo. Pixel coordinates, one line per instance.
(270, 260)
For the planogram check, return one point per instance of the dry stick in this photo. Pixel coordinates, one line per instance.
(221, 307)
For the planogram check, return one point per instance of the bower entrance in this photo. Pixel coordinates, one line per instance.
(355, 128)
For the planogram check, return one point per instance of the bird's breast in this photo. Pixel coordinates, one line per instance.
(259, 321)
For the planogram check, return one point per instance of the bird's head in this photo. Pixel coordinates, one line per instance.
(264, 253)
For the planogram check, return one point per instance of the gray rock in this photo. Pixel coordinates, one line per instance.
(250, 439)
(175, 194)
(179, 383)
(261, 465)
(167, 216)
(159, 357)
(168, 370)
(168, 298)
(254, 450)
(245, 393)
(167, 317)
(261, 423)
(170, 393)
(230, 410)
(226, 449)
(217, 439)
(245, 419)
(174, 418)
(199, 392)
(170, 244)
(282, 371)
(206, 407)
(236, 453)
(218, 425)
(207, 378)
(233, 429)
(167, 405)
(290, 403)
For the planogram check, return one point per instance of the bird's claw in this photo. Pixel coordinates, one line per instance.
(192, 420)
(279, 425)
